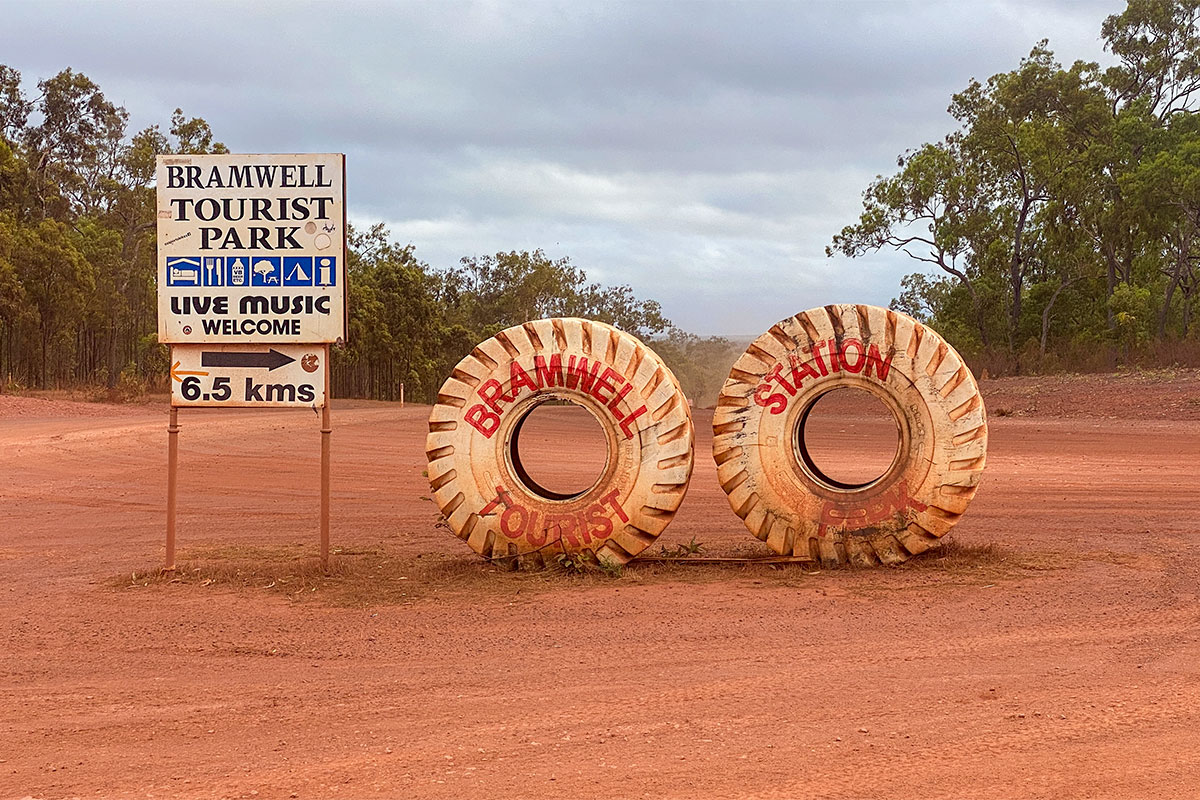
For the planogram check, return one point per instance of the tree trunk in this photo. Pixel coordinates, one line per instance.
(1110, 260)
(979, 318)
(1016, 275)
(1183, 249)
(1046, 313)
(111, 354)
(45, 345)
(1166, 306)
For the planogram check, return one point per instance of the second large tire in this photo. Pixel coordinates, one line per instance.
(486, 494)
(770, 478)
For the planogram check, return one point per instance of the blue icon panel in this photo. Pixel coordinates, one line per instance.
(324, 271)
(237, 271)
(243, 271)
(214, 271)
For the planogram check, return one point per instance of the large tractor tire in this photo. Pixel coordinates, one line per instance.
(771, 479)
(475, 468)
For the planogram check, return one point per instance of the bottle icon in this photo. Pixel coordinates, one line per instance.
(237, 273)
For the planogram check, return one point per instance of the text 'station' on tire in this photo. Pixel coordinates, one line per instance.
(773, 482)
(485, 490)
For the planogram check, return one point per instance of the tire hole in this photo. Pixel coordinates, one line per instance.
(847, 439)
(559, 450)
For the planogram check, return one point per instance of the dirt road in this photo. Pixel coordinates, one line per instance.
(1055, 654)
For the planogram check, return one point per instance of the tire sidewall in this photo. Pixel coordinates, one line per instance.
(924, 383)
(495, 463)
(497, 509)
(778, 439)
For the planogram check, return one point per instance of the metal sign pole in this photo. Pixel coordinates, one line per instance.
(326, 432)
(172, 484)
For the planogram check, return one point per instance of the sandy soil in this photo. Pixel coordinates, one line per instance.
(1063, 661)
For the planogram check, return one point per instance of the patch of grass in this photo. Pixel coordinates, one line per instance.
(359, 577)
(583, 563)
(574, 563)
(375, 576)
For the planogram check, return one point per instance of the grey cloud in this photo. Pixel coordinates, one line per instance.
(703, 152)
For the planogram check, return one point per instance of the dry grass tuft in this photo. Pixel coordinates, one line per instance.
(951, 554)
(375, 576)
(355, 577)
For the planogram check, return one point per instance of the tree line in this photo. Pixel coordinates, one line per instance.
(411, 323)
(77, 218)
(1058, 227)
(78, 268)
(1059, 223)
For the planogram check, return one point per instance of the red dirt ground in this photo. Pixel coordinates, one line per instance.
(1061, 662)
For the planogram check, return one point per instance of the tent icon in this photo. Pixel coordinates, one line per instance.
(298, 271)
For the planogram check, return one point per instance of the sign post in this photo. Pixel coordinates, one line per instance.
(251, 290)
(172, 483)
(326, 433)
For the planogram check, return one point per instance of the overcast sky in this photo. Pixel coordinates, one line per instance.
(704, 153)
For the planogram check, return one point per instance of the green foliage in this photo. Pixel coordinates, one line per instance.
(490, 293)
(1159, 50)
(1131, 307)
(572, 563)
(583, 563)
(77, 265)
(917, 296)
(682, 550)
(410, 323)
(701, 364)
(130, 385)
(1063, 212)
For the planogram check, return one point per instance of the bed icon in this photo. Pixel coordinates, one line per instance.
(183, 271)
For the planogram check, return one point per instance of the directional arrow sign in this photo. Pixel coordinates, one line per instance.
(269, 360)
(236, 375)
(176, 372)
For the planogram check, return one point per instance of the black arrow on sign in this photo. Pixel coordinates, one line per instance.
(270, 360)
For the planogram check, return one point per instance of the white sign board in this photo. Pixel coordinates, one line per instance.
(251, 248)
(230, 375)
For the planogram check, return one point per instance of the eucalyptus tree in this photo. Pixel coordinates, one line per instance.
(934, 210)
(1157, 43)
